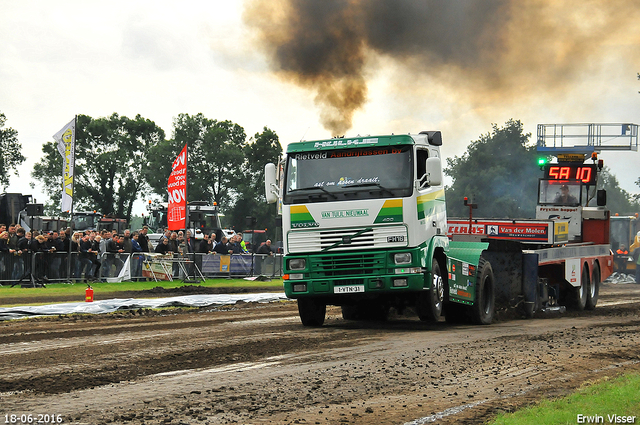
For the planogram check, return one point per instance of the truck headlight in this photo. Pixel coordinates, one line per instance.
(300, 287)
(297, 264)
(402, 258)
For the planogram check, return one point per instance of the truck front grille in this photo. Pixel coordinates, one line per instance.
(347, 265)
(299, 241)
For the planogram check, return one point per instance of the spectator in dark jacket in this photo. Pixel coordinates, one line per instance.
(163, 247)
(114, 249)
(203, 246)
(222, 247)
(265, 248)
(143, 239)
(84, 263)
(137, 256)
(5, 257)
(24, 254)
(190, 243)
(125, 241)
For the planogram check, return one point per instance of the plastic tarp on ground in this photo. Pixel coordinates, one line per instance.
(618, 277)
(108, 306)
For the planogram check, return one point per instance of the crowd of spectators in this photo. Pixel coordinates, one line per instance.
(97, 254)
(184, 243)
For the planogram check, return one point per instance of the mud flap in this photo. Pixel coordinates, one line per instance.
(530, 284)
(507, 262)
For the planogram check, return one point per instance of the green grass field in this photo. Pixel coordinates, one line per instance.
(608, 401)
(78, 289)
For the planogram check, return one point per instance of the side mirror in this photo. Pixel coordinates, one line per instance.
(434, 171)
(601, 198)
(270, 183)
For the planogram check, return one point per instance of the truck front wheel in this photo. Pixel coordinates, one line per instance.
(484, 306)
(311, 312)
(429, 303)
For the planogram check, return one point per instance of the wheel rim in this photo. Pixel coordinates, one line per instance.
(438, 290)
(486, 295)
(583, 285)
(593, 288)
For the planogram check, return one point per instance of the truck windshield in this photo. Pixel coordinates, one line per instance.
(560, 192)
(83, 221)
(156, 220)
(207, 221)
(349, 174)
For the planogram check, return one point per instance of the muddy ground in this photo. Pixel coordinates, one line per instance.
(256, 364)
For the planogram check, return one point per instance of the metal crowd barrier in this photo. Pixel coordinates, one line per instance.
(240, 265)
(44, 267)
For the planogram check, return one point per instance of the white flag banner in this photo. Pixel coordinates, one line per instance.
(66, 139)
(125, 273)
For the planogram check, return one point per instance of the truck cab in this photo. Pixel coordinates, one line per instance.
(364, 223)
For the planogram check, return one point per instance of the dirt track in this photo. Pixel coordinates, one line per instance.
(257, 364)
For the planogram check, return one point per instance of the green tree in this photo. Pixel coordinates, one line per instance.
(499, 172)
(215, 159)
(263, 148)
(11, 148)
(111, 154)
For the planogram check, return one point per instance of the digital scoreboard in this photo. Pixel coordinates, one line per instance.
(586, 173)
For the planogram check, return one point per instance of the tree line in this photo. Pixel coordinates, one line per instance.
(120, 160)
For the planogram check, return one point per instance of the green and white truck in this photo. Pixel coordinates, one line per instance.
(365, 228)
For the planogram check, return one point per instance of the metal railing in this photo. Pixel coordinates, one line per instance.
(34, 268)
(584, 138)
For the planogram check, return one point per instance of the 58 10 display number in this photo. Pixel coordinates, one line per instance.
(586, 173)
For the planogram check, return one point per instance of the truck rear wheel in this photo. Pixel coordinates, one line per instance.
(429, 303)
(484, 306)
(311, 312)
(594, 288)
(578, 296)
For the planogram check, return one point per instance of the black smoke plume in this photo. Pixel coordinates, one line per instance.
(492, 50)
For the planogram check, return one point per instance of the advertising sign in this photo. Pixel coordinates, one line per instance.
(177, 188)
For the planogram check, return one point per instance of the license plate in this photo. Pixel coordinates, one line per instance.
(348, 289)
(391, 239)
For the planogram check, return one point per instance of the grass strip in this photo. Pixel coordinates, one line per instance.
(68, 289)
(607, 401)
